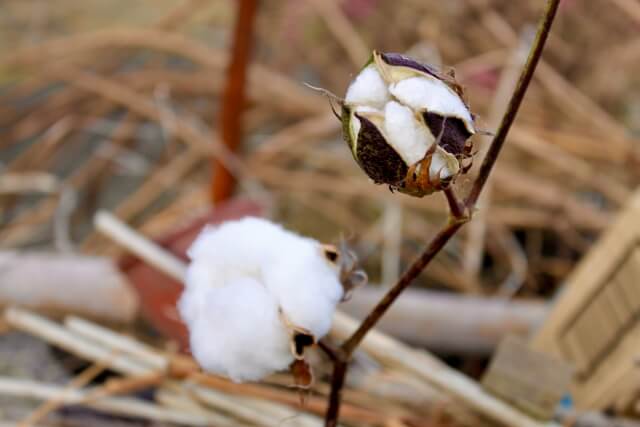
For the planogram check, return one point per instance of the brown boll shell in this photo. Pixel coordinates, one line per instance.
(373, 153)
(455, 133)
(399, 60)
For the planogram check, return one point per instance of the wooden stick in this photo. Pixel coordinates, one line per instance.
(76, 383)
(123, 344)
(61, 337)
(114, 405)
(116, 230)
(139, 365)
(93, 286)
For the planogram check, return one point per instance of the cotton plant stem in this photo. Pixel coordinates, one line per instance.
(456, 221)
(335, 398)
(438, 242)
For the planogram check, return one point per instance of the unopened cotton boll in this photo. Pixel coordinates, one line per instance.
(407, 125)
(252, 290)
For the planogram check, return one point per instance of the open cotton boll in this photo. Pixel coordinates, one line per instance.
(394, 112)
(368, 89)
(250, 286)
(237, 332)
(430, 94)
(406, 135)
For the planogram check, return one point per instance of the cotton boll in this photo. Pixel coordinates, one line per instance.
(237, 331)
(431, 94)
(250, 285)
(407, 136)
(368, 89)
(394, 112)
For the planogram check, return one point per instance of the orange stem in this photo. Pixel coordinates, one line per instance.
(233, 100)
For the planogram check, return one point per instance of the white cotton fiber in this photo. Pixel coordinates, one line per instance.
(431, 94)
(368, 88)
(306, 286)
(238, 332)
(406, 135)
(242, 275)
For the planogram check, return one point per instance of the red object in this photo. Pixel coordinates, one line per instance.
(158, 292)
(233, 99)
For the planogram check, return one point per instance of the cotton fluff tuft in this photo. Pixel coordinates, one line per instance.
(368, 89)
(238, 332)
(405, 134)
(430, 94)
(250, 283)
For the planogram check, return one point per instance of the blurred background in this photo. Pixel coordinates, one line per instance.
(128, 107)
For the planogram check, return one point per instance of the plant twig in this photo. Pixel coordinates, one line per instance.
(457, 219)
(438, 242)
(337, 382)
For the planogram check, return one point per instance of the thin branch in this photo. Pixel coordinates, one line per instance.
(405, 280)
(456, 208)
(337, 382)
(456, 221)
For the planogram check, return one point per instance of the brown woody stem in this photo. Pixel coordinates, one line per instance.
(337, 382)
(456, 208)
(457, 219)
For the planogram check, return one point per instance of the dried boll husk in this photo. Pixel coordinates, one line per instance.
(407, 124)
